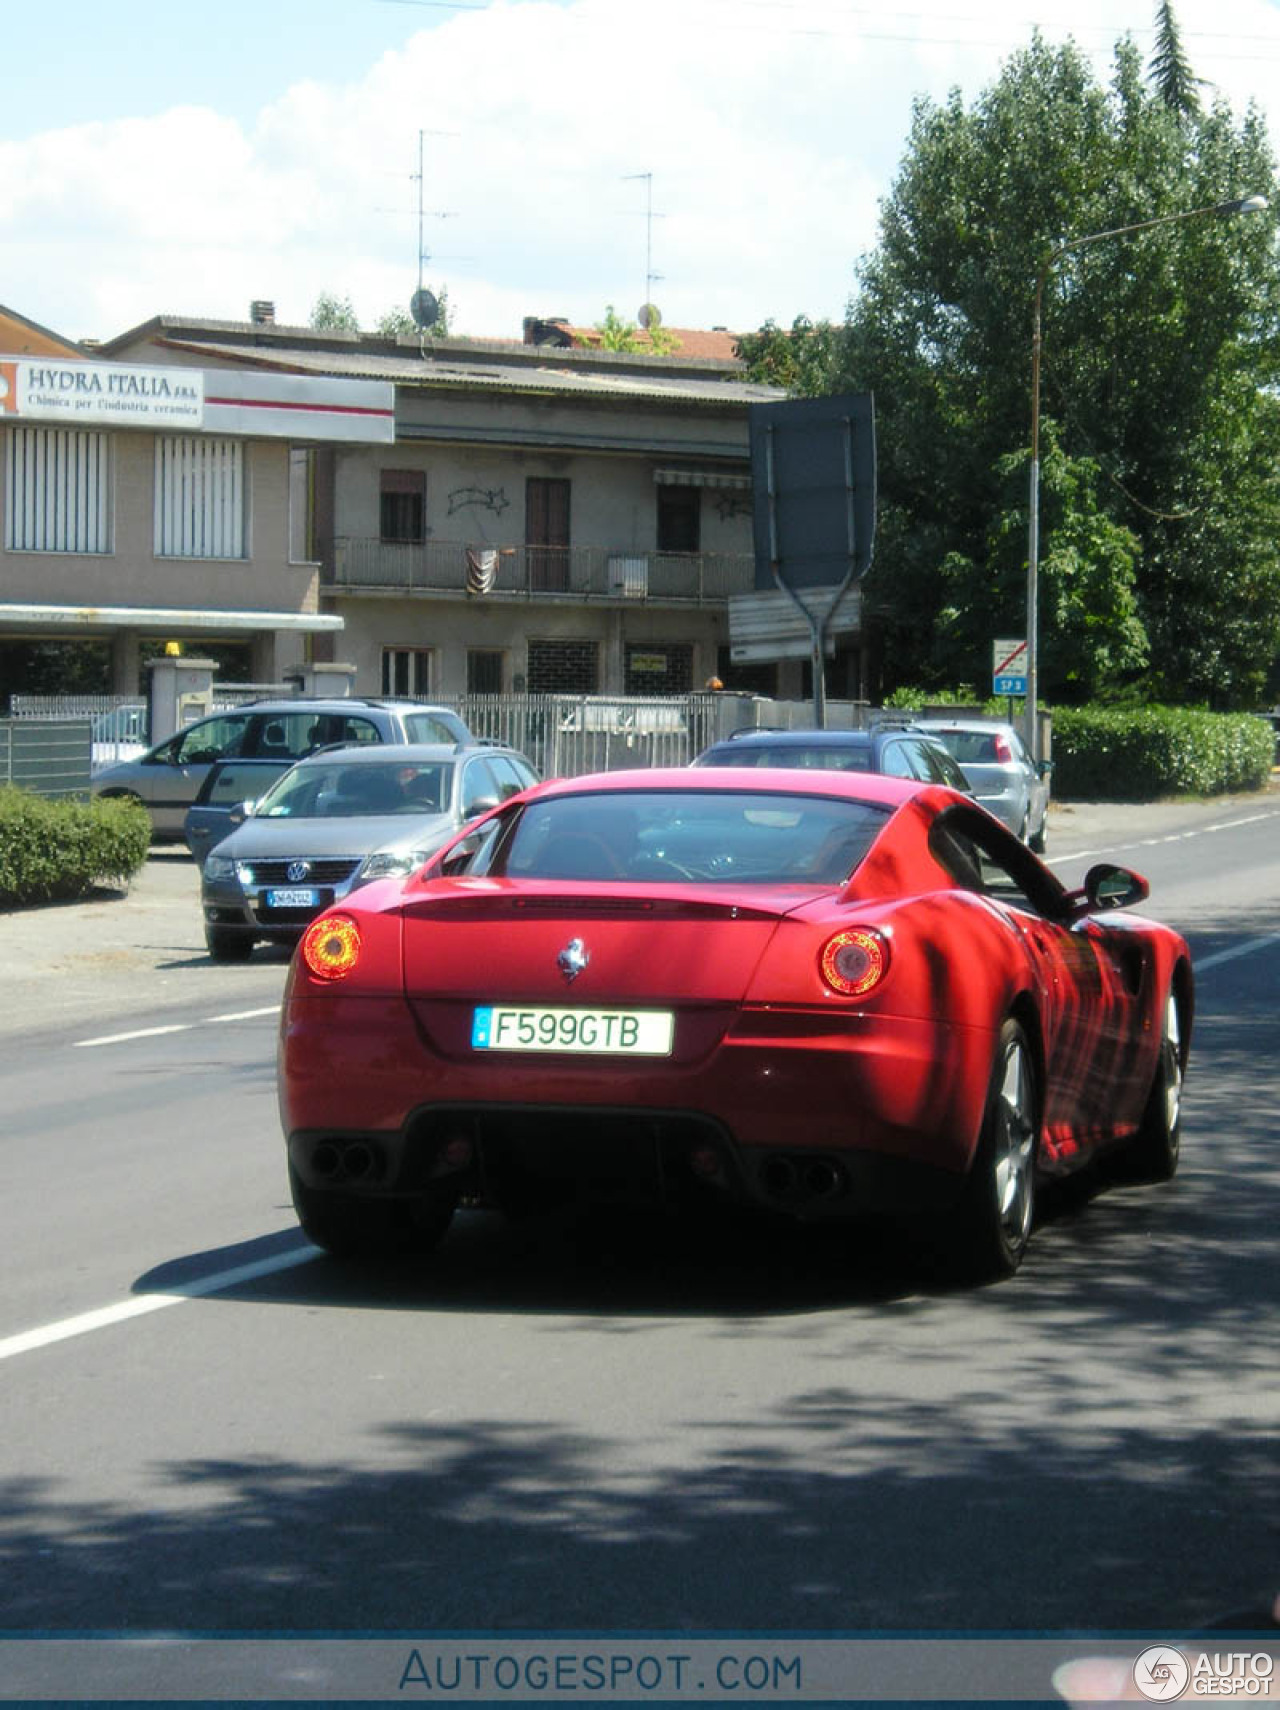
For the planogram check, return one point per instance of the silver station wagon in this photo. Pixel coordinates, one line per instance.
(167, 778)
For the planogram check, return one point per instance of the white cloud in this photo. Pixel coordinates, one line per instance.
(770, 130)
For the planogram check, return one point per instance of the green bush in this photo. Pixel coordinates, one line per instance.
(51, 851)
(1136, 754)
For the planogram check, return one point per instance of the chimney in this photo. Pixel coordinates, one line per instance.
(262, 313)
(554, 330)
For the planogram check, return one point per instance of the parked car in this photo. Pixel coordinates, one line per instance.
(1001, 773)
(338, 819)
(899, 750)
(220, 806)
(167, 778)
(818, 996)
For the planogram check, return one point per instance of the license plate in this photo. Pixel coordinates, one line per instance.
(296, 898)
(602, 1032)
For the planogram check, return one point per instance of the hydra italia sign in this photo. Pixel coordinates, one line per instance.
(83, 392)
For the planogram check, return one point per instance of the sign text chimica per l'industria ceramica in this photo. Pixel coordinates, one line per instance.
(100, 392)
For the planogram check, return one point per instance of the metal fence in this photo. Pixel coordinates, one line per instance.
(533, 572)
(563, 735)
(567, 735)
(49, 757)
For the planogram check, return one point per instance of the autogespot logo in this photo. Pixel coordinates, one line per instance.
(1161, 1673)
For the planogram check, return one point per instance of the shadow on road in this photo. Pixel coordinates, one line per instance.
(1088, 1447)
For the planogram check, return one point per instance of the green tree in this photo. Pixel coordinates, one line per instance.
(395, 323)
(331, 313)
(618, 334)
(1170, 69)
(1159, 513)
(803, 360)
(398, 322)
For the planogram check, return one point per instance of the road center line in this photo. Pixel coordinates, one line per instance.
(1204, 963)
(26, 1341)
(176, 1027)
(1154, 842)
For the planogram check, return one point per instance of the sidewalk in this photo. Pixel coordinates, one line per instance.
(119, 958)
(123, 954)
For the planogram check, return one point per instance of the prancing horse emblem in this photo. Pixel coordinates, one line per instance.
(573, 959)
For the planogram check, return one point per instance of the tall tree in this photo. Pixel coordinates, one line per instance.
(1170, 69)
(1161, 354)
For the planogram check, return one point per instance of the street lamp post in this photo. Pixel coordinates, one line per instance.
(1247, 205)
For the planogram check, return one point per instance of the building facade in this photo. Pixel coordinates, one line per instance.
(546, 518)
(138, 502)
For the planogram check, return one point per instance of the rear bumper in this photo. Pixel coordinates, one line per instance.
(788, 1111)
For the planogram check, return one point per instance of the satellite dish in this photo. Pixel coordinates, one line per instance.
(424, 306)
(650, 316)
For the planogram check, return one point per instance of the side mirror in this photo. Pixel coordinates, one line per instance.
(1107, 887)
(240, 812)
(1045, 768)
(481, 804)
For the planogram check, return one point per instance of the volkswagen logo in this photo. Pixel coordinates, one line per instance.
(573, 959)
(296, 871)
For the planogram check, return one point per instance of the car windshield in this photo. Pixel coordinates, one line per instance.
(337, 791)
(710, 837)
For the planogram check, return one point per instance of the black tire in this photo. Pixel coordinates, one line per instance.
(225, 944)
(372, 1231)
(1152, 1154)
(994, 1219)
(1040, 841)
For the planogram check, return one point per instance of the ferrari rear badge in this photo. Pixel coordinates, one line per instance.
(573, 959)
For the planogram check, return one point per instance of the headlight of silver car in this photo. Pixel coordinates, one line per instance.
(392, 863)
(219, 868)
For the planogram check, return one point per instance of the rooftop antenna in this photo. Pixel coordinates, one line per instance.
(648, 313)
(424, 306)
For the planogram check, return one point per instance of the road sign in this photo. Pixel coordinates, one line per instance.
(770, 626)
(1008, 668)
(813, 478)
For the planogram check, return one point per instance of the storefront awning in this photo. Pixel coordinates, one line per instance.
(717, 478)
(162, 620)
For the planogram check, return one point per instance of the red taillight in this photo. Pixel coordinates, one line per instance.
(1003, 750)
(331, 947)
(855, 961)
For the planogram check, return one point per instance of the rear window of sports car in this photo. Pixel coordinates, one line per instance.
(672, 836)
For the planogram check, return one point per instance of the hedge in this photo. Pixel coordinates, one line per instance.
(53, 851)
(1138, 754)
(1134, 754)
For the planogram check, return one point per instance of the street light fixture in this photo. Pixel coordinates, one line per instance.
(1247, 205)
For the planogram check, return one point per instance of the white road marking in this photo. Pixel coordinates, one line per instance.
(138, 1033)
(1219, 956)
(135, 1307)
(177, 1027)
(1170, 837)
(1203, 963)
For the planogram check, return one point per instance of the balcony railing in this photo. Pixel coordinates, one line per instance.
(542, 572)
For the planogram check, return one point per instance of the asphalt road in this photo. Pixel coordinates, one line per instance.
(209, 1426)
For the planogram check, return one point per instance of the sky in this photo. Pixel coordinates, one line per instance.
(724, 159)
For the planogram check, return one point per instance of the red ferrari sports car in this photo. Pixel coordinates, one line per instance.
(821, 994)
